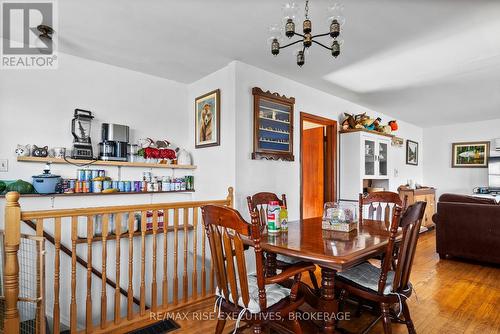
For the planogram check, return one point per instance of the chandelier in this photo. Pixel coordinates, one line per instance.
(290, 15)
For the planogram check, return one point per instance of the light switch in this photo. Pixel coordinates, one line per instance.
(396, 172)
(4, 165)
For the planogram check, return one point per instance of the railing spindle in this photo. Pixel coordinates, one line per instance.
(185, 273)
(176, 245)
(40, 305)
(73, 310)
(195, 250)
(130, 291)
(154, 285)
(57, 265)
(164, 289)
(203, 265)
(88, 307)
(143, 264)
(118, 232)
(104, 296)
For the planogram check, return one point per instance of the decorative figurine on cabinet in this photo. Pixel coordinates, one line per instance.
(22, 150)
(40, 152)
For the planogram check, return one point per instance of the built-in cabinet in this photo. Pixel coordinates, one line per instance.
(365, 158)
(427, 195)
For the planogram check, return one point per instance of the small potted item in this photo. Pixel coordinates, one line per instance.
(339, 217)
(46, 183)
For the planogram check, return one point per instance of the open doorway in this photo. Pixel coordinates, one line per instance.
(318, 164)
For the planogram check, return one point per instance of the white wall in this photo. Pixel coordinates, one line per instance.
(284, 177)
(438, 154)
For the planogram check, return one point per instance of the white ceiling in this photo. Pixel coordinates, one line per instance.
(428, 62)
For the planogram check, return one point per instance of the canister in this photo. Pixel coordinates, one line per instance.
(79, 186)
(128, 186)
(80, 174)
(165, 185)
(121, 186)
(97, 186)
(102, 173)
(106, 185)
(177, 184)
(85, 186)
(137, 186)
(183, 184)
(95, 173)
(72, 184)
(88, 174)
(144, 186)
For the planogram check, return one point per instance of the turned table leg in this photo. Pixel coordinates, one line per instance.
(328, 303)
(271, 264)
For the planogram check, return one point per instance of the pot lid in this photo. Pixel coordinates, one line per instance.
(46, 176)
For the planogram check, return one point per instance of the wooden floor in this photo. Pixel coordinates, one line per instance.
(451, 297)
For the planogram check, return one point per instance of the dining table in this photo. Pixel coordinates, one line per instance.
(331, 250)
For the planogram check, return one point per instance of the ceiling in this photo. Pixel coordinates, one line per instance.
(428, 62)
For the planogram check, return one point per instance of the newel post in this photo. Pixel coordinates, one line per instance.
(11, 271)
(230, 197)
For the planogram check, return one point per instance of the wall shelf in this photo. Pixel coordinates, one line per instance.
(103, 194)
(86, 163)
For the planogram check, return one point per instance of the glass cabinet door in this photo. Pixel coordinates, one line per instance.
(369, 147)
(382, 158)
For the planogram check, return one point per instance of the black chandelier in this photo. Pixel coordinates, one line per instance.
(290, 15)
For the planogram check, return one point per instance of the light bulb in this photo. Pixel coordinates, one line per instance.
(290, 10)
(336, 46)
(275, 33)
(301, 59)
(336, 13)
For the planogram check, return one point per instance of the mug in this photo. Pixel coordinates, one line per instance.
(59, 152)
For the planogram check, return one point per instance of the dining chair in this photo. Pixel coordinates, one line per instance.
(382, 285)
(255, 298)
(379, 206)
(259, 203)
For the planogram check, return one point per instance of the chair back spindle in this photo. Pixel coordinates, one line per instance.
(379, 206)
(259, 202)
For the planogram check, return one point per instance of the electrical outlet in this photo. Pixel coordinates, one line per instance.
(4, 165)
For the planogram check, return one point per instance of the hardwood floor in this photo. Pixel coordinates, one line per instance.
(451, 297)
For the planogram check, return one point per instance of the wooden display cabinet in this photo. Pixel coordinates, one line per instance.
(273, 126)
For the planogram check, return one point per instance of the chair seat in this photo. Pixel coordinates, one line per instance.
(366, 277)
(287, 259)
(274, 294)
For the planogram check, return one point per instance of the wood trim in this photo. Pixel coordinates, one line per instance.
(86, 163)
(330, 159)
(367, 131)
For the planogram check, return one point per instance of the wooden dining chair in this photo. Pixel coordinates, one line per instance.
(259, 203)
(379, 206)
(255, 298)
(383, 285)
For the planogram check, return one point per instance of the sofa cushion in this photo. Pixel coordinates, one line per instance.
(454, 198)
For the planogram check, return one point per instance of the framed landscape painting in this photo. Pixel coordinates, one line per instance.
(470, 154)
(411, 152)
(207, 119)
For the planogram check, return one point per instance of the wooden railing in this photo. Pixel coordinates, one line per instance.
(159, 251)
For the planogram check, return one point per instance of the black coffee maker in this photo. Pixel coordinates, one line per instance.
(114, 142)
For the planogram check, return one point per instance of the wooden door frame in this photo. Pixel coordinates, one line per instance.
(330, 158)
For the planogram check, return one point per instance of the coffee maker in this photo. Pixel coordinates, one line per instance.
(114, 142)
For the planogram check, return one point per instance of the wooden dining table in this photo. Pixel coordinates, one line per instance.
(332, 251)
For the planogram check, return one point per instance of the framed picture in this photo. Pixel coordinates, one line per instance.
(470, 154)
(207, 120)
(411, 152)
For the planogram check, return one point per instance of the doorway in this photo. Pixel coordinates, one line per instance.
(318, 164)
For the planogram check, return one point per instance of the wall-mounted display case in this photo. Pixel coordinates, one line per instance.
(273, 126)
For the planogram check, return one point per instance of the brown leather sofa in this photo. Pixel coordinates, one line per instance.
(468, 227)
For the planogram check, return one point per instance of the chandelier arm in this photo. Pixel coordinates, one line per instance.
(297, 34)
(321, 44)
(290, 44)
(321, 35)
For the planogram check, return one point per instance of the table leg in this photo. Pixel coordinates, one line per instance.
(271, 264)
(328, 303)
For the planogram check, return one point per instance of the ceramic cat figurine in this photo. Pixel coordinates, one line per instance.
(40, 151)
(22, 150)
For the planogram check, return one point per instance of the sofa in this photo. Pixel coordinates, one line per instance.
(468, 227)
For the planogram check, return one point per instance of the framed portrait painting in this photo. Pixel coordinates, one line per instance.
(470, 154)
(207, 120)
(411, 152)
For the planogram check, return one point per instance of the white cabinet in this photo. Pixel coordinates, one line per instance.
(365, 157)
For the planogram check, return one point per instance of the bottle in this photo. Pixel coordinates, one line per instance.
(273, 212)
(284, 219)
